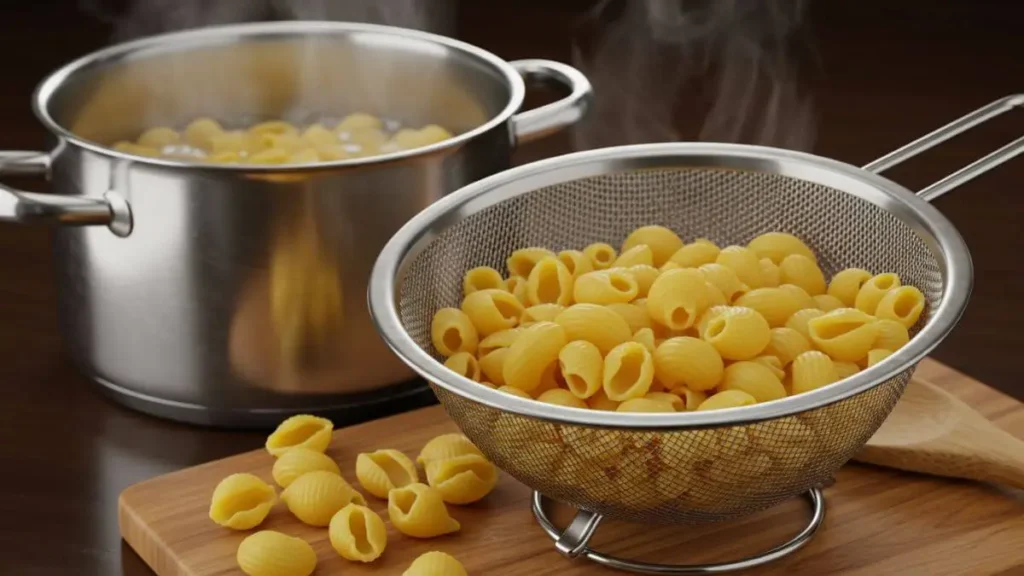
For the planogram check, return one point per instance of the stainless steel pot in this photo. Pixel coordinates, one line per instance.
(233, 295)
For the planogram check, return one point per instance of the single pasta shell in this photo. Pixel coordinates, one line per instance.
(635, 316)
(303, 431)
(462, 479)
(601, 255)
(299, 461)
(435, 564)
(645, 276)
(358, 534)
(812, 370)
(522, 261)
(873, 290)
(776, 246)
(846, 284)
(696, 254)
(598, 324)
(755, 379)
(502, 339)
(903, 304)
(775, 304)
(605, 287)
(482, 278)
(628, 372)
(561, 397)
(549, 282)
(892, 335)
(447, 446)
(662, 242)
(744, 262)
(418, 510)
(492, 366)
(845, 334)
(384, 470)
(771, 276)
(317, 496)
(646, 405)
(674, 400)
(576, 262)
(241, 501)
(690, 362)
(640, 254)
(802, 271)
(530, 355)
(725, 280)
(270, 553)
(727, 399)
(492, 310)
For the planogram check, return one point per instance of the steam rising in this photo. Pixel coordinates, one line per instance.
(659, 64)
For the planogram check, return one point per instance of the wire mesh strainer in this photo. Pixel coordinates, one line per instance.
(688, 467)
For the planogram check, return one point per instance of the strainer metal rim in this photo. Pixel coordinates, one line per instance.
(932, 227)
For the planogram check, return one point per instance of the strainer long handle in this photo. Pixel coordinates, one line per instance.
(948, 131)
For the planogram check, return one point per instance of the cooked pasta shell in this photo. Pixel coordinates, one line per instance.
(661, 241)
(846, 284)
(241, 501)
(628, 372)
(678, 298)
(435, 564)
(522, 261)
(805, 299)
(317, 496)
(303, 431)
(605, 287)
(384, 470)
(776, 246)
(892, 335)
(771, 276)
(738, 333)
(549, 282)
(786, 344)
(516, 285)
(744, 262)
(270, 553)
(646, 337)
(464, 364)
(727, 399)
(724, 279)
(812, 370)
(877, 355)
(696, 254)
(576, 262)
(637, 255)
(492, 366)
(561, 397)
(845, 334)
(904, 305)
(755, 379)
(645, 276)
(482, 278)
(600, 401)
(672, 399)
(540, 313)
(502, 339)
(600, 325)
(492, 310)
(775, 304)
(158, 137)
(532, 353)
(773, 364)
(828, 302)
(845, 369)
(447, 446)
(601, 255)
(636, 317)
(690, 362)
(299, 461)
(358, 534)
(418, 510)
(464, 479)
(873, 290)
(800, 319)
(802, 271)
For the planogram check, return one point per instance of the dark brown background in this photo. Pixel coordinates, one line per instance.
(887, 72)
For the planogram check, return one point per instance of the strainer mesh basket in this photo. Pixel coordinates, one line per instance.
(685, 475)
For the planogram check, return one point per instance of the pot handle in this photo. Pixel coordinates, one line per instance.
(550, 118)
(969, 172)
(31, 208)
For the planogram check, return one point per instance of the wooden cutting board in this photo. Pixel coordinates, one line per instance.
(878, 521)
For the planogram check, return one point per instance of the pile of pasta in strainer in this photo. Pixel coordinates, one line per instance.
(663, 326)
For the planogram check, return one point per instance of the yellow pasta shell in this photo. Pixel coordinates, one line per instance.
(601, 255)
(561, 397)
(516, 285)
(418, 510)
(597, 324)
(690, 362)
(316, 496)
(464, 364)
(744, 262)
(158, 137)
(628, 372)
(645, 276)
(661, 241)
(635, 316)
(241, 501)
(522, 261)
(299, 461)
(600, 401)
(846, 284)
(723, 278)
(514, 391)
(799, 320)
(845, 334)
(446, 446)
(806, 300)
(873, 290)
(775, 304)
(776, 246)
(492, 366)
(812, 370)
(492, 310)
(482, 278)
(845, 369)
(678, 298)
(674, 400)
(576, 262)
(435, 564)
(549, 282)
(877, 355)
(383, 470)
(581, 364)
(696, 254)
(270, 553)
(738, 333)
(646, 337)
(755, 379)
(727, 399)
(828, 303)
(802, 271)
(303, 431)
(635, 256)
(771, 276)
(531, 354)
(463, 479)
(903, 304)
(358, 534)
(605, 287)
(691, 399)
(502, 339)
(645, 405)
(540, 313)
(892, 335)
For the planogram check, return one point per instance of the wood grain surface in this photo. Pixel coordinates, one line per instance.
(878, 521)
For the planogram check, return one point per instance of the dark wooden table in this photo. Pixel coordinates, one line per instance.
(879, 74)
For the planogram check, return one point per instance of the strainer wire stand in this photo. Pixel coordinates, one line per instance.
(572, 542)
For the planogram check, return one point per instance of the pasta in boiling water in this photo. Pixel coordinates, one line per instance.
(270, 553)
(241, 501)
(666, 326)
(303, 431)
(418, 510)
(357, 533)
(299, 461)
(316, 496)
(381, 471)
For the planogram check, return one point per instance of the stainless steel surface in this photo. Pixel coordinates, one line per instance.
(24, 163)
(951, 130)
(543, 121)
(583, 526)
(680, 467)
(237, 294)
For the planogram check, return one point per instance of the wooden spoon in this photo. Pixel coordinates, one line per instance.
(932, 432)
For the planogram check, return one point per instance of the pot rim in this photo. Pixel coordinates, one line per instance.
(213, 35)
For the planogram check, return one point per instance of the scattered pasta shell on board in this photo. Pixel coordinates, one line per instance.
(270, 553)
(241, 501)
(418, 510)
(463, 479)
(357, 533)
(435, 564)
(299, 461)
(381, 471)
(303, 431)
(317, 496)
(447, 446)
